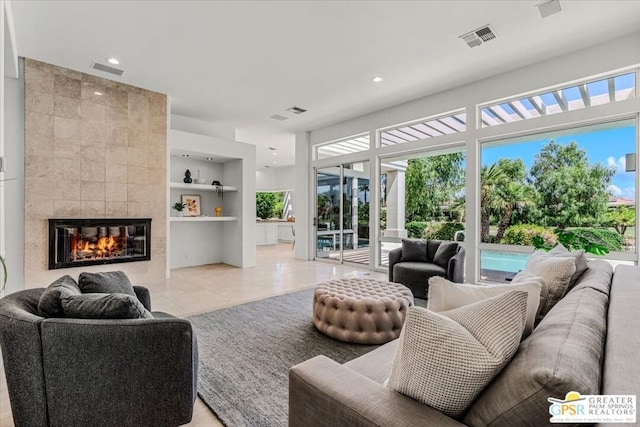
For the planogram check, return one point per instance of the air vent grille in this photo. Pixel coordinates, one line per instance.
(107, 69)
(296, 110)
(279, 117)
(479, 36)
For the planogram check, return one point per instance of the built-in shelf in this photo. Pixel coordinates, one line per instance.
(201, 187)
(202, 218)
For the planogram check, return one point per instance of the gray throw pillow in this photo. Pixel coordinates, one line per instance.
(108, 282)
(580, 259)
(445, 251)
(414, 250)
(50, 304)
(104, 306)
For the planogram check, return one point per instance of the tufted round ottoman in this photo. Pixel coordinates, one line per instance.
(361, 311)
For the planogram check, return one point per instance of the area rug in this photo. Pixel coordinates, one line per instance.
(246, 352)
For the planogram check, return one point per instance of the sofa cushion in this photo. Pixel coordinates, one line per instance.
(564, 353)
(414, 250)
(555, 271)
(445, 251)
(376, 364)
(527, 276)
(598, 277)
(50, 304)
(415, 275)
(432, 248)
(579, 258)
(445, 295)
(108, 282)
(104, 306)
(446, 359)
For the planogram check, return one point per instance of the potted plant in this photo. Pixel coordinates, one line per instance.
(179, 206)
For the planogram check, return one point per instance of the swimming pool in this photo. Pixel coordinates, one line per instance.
(510, 262)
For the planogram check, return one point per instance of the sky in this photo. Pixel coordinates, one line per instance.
(607, 146)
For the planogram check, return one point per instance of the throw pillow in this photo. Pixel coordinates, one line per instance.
(526, 276)
(579, 257)
(414, 250)
(444, 253)
(108, 282)
(446, 359)
(555, 271)
(445, 295)
(104, 306)
(50, 304)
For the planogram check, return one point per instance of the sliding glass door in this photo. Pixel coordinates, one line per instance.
(342, 213)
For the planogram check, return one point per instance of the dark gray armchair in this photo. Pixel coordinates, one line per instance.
(80, 372)
(418, 260)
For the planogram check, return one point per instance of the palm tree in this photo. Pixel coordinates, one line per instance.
(509, 196)
(491, 177)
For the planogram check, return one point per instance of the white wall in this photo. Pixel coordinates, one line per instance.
(276, 179)
(14, 189)
(304, 198)
(202, 127)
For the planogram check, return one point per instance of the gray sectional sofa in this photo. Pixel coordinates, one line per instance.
(589, 342)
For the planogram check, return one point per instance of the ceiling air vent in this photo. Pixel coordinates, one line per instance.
(107, 69)
(296, 110)
(279, 117)
(479, 36)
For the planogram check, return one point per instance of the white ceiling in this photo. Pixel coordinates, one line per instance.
(235, 63)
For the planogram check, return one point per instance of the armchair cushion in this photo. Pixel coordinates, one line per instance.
(104, 306)
(108, 282)
(445, 251)
(50, 303)
(414, 250)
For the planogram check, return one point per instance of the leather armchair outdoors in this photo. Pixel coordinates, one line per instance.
(80, 372)
(415, 275)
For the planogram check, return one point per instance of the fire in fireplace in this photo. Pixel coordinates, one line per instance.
(81, 242)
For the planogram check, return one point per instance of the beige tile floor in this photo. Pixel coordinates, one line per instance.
(196, 290)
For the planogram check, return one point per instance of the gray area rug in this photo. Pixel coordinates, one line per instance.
(246, 352)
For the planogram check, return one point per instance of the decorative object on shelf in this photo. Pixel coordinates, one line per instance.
(218, 211)
(199, 180)
(192, 203)
(220, 191)
(187, 177)
(216, 183)
(179, 206)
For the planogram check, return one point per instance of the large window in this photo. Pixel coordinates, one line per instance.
(422, 196)
(582, 181)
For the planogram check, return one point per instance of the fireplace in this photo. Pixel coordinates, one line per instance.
(81, 242)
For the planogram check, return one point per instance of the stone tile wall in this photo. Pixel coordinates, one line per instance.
(92, 156)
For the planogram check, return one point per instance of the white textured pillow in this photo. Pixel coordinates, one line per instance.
(445, 295)
(556, 271)
(579, 257)
(446, 359)
(527, 276)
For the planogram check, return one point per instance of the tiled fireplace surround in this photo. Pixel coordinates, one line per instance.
(94, 148)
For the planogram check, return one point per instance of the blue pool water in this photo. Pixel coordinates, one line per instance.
(511, 262)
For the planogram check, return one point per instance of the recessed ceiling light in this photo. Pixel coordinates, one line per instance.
(275, 154)
(377, 79)
(113, 61)
(97, 93)
(274, 162)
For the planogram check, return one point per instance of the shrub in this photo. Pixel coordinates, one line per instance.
(601, 236)
(523, 234)
(442, 230)
(416, 229)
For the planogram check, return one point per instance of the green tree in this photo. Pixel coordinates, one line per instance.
(621, 218)
(431, 183)
(491, 178)
(265, 203)
(572, 191)
(511, 196)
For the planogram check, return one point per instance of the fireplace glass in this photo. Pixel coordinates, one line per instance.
(81, 242)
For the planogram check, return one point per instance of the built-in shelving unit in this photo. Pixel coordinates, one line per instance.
(202, 218)
(209, 239)
(201, 187)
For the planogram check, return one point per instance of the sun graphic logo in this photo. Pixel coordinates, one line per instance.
(571, 406)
